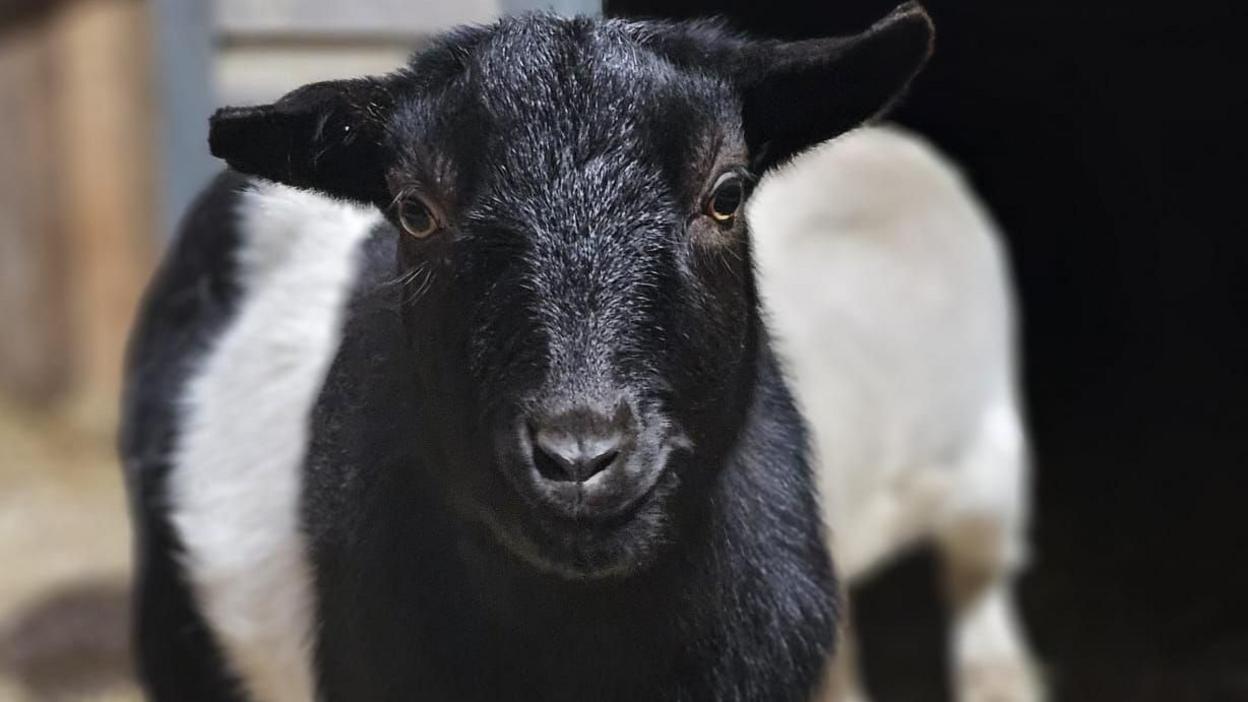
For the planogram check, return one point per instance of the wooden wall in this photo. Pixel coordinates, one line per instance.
(76, 210)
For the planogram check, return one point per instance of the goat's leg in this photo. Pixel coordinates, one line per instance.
(982, 546)
(889, 522)
(884, 525)
(844, 681)
(990, 660)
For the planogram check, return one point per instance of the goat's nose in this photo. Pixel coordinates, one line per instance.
(575, 446)
(567, 458)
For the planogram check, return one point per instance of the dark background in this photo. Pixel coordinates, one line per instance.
(1107, 139)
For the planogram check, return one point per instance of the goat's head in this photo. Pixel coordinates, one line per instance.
(568, 196)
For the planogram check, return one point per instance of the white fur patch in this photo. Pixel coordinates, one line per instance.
(890, 304)
(236, 481)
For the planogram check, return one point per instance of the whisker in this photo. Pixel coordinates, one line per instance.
(425, 284)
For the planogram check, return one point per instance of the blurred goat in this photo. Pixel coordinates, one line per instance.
(891, 308)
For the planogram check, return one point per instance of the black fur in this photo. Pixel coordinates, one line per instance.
(189, 300)
(575, 271)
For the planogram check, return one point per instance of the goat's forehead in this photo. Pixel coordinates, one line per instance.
(560, 56)
(555, 106)
(572, 74)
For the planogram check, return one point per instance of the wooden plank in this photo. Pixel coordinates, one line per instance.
(103, 119)
(359, 17)
(34, 355)
(261, 73)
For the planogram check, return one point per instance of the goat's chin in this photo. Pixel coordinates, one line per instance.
(586, 550)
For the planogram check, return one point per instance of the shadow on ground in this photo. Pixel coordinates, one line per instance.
(71, 644)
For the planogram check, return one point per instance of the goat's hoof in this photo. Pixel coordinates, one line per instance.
(999, 681)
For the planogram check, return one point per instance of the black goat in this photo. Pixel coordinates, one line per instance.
(483, 407)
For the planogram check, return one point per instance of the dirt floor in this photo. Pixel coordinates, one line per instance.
(64, 559)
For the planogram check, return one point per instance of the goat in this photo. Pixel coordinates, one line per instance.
(455, 386)
(889, 303)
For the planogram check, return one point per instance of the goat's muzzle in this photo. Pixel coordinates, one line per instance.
(589, 460)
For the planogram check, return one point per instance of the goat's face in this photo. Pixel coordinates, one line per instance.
(579, 296)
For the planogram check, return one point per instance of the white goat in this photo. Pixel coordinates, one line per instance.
(889, 294)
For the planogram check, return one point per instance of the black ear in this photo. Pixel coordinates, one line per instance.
(325, 136)
(798, 94)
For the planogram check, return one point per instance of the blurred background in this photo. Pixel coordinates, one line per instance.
(1105, 137)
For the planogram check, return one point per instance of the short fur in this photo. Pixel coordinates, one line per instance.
(235, 496)
(574, 271)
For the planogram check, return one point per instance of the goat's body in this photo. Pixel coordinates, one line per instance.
(292, 543)
(888, 294)
(231, 353)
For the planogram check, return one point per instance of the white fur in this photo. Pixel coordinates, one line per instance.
(889, 299)
(236, 481)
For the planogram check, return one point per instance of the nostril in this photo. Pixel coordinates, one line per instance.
(564, 457)
(548, 465)
(596, 464)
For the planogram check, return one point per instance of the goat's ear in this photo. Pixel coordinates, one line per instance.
(325, 136)
(797, 94)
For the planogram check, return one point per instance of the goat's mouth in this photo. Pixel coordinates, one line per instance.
(607, 524)
(608, 498)
(591, 544)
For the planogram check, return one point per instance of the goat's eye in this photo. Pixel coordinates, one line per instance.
(416, 217)
(726, 198)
